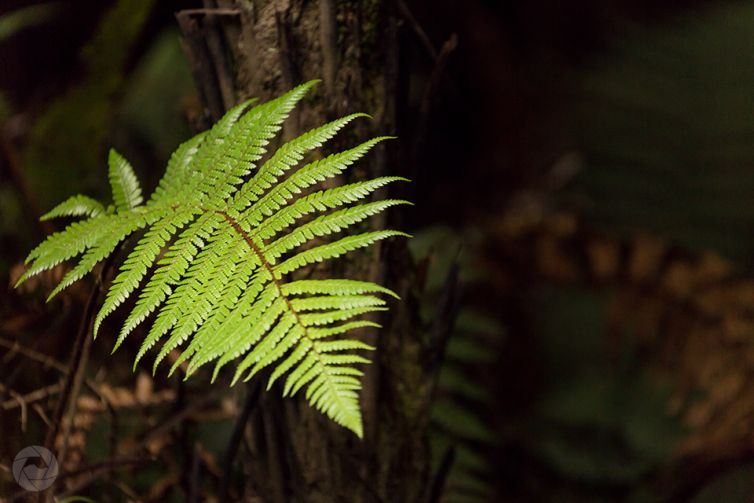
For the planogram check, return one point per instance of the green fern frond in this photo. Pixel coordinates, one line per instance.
(76, 206)
(123, 182)
(220, 241)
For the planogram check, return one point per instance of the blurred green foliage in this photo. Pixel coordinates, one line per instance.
(151, 111)
(598, 420)
(666, 124)
(66, 143)
(134, 101)
(458, 419)
(602, 420)
(18, 20)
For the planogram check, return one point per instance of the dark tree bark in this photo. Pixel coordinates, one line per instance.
(240, 49)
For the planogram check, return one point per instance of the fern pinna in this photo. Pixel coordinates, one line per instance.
(220, 241)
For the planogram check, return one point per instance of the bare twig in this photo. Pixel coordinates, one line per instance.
(18, 399)
(442, 327)
(438, 481)
(42, 414)
(95, 469)
(66, 407)
(105, 465)
(80, 354)
(196, 470)
(168, 425)
(445, 316)
(418, 30)
(217, 52)
(204, 49)
(45, 360)
(430, 92)
(328, 38)
(275, 451)
(211, 11)
(252, 398)
(284, 42)
(31, 397)
(131, 450)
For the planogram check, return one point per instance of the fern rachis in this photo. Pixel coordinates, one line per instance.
(220, 240)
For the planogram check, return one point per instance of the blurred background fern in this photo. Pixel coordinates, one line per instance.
(665, 125)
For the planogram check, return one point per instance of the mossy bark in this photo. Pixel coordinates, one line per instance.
(293, 452)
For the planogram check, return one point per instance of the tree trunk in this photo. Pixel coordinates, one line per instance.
(240, 49)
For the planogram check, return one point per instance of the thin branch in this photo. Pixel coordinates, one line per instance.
(211, 12)
(441, 329)
(168, 425)
(428, 97)
(328, 39)
(79, 347)
(105, 465)
(94, 469)
(218, 54)
(275, 455)
(66, 407)
(445, 316)
(128, 452)
(438, 482)
(45, 360)
(205, 53)
(288, 68)
(418, 30)
(42, 414)
(97, 470)
(194, 488)
(31, 397)
(18, 399)
(252, 398)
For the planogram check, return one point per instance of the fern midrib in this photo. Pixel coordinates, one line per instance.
(266, 264)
